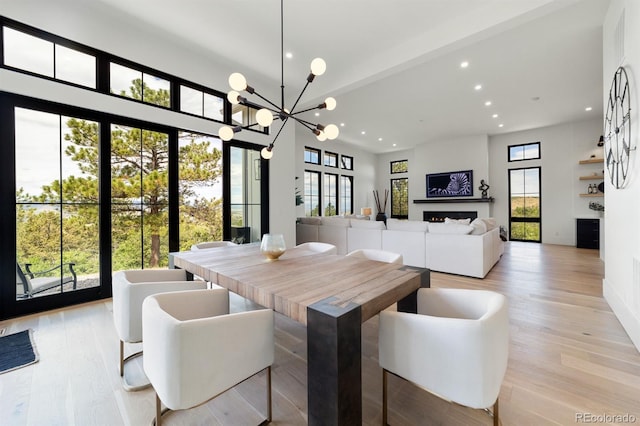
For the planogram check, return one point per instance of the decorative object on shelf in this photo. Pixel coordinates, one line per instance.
(601, 140)
(272, 246)
(266, 114)
(450, 184)
(596, 206)
(617, 129)
(381, 208)
(484, 188)
(601, 187)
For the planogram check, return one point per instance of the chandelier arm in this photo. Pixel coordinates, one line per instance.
(267, 101)
(305, 122)
(293, 108)
(306, 110)
(284, 123)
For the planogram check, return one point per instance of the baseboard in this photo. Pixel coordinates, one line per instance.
(630, 320)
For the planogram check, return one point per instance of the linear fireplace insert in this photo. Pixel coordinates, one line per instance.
(438, 216)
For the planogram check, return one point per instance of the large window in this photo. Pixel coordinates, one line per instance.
(200, 188)
(246, 201)
(524, 199)
(400, 198)
(57, 203)
(311, 193)
(401, 166)
(134, 84)
(311, 155)
(330, 195)
(346, 194)
(346, 162)
(200, 103)
(330, 159)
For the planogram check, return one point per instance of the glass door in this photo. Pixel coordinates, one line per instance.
(524, 202)
(246, 195)
(57, 204)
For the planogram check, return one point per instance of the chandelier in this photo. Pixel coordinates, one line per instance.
(267, 114)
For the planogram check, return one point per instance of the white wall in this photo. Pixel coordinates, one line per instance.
(468, 153)
(621, 284)
(561, 147)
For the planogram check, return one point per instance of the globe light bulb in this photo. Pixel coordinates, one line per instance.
(233, 97)
(318, 66)
(322, 136)
(331, 131)
(330, 104)
(225, 133)
(237, 81)
(264, 117)
(266, 153)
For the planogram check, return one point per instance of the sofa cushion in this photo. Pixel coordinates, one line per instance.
(407, 225)
(490, 222)
(450, 228)
(479, 227)
(310, 220)
(466, 221)
(368, 224)
(335, 221)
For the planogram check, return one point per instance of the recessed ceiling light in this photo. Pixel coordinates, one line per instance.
(379, 139)
(363, 132)
(488, 103)
(317, 114)
(394, 144)
(341, 124)
(494, 116)
(588, 109)
(500, 125)
(464, 64)
(478, 86)
(289, 55)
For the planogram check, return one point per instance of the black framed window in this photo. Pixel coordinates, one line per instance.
(311, 155)
(346, 162)
(401, 166)
(524, 204)
(330, 159)
(330, 195)
(400, 198)
(345, 192)
(527, 151)
(200, 103)
(30, 53)
(311, 193)
(132, 83)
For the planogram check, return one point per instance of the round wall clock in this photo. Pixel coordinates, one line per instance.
(617, 129)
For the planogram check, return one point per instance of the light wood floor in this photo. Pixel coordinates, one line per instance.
(569, 356)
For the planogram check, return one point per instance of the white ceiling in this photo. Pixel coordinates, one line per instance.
(393, 66)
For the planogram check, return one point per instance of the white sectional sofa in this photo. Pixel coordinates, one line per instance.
(453, 247)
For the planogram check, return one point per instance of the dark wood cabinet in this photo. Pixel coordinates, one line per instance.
(588, 233)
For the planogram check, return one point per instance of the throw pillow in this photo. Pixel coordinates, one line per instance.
(466, 221)
(479, 227)
(335, 221)
(310, 220)
(367, 224)
(490, 222)
(406, 225)
(450, 228)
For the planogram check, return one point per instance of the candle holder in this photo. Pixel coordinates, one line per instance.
(272, 246)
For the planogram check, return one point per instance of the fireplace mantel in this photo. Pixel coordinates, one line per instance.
(455, 200)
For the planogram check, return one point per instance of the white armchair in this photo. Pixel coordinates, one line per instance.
(195, 350)
(212, 244)
(319, 247)
(379, 255)
(455, 347)
(129, 290)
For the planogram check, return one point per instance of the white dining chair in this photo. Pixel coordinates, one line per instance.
(195, 350)
(456, 346)
(319, 247)
(129, 289)
(212, 244)
(378, 255)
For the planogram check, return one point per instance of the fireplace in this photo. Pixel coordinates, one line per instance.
(438, 216)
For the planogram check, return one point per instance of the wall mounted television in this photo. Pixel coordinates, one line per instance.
(450, 184)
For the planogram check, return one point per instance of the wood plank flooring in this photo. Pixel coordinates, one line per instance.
(569, 357)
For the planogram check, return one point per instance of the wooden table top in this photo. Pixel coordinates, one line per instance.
(301, 278)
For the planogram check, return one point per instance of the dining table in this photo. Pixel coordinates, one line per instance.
(333, 295)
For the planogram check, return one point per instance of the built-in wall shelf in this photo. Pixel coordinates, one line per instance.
(592, 161)
(593, 177)
(599, 194)
(455, 200)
